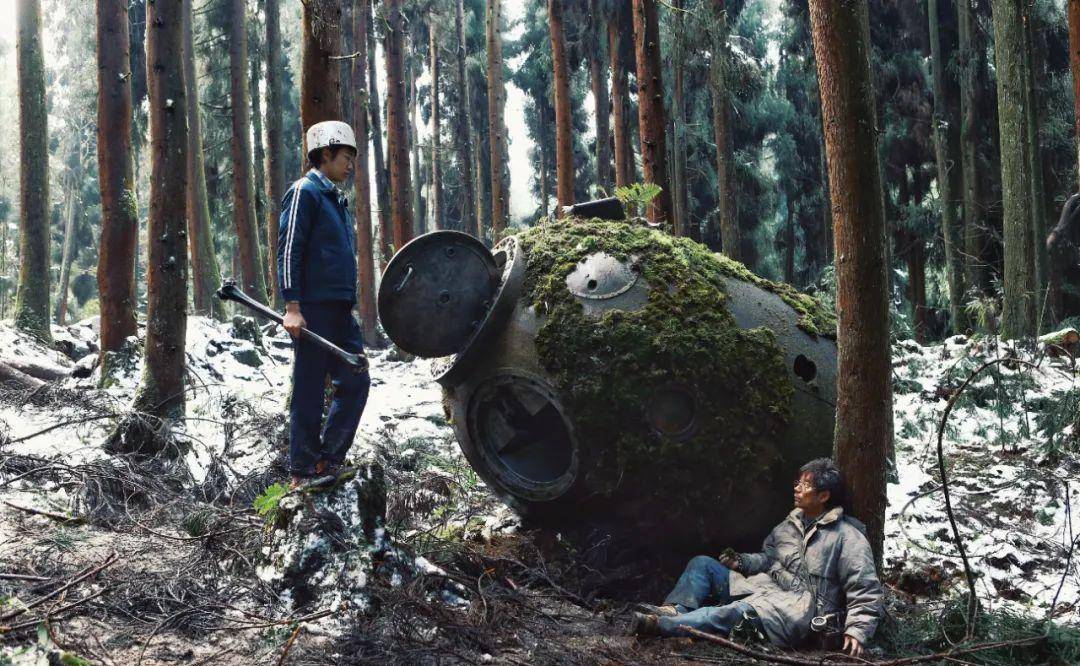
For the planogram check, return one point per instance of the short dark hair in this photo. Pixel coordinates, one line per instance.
(826, 476)
(315, 159)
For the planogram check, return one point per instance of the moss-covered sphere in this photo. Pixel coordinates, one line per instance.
(646, 383)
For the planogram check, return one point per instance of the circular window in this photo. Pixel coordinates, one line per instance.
(521, 432)
(672, 411)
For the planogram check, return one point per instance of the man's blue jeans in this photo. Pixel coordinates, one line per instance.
(703, 598)
(309, 439)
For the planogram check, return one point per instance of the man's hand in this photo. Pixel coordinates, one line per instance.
(852, 646)
(294, 321)
(730, 559)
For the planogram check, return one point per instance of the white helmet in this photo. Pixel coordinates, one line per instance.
(330, 133)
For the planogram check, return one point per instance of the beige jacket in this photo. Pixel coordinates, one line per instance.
(833, 556)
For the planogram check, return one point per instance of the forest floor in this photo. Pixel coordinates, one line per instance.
(117, 560)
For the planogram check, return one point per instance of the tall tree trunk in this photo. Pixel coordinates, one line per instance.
(247, 235)
(727, 219)
(161, 390)
(382, 176)
(275, 145)
(397, 138)
(1044, 312)
(435, 203)
(953, 267)
(863, 380)
(365, 249)
(411, 132)
(206, 277)
(598, 81)
(651, 117)
(67, 254)
(682, 224)
(259, 159)
(320, 75)
(1074, 66)
(789, 244)
(1018, 307)
(545, 187)
(969, 55)
(32, 297)
(469, 220)
(500, 185)
(620, 103)
(116, 179)
(564, 138)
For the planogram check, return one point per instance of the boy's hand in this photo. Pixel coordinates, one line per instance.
(293, 321)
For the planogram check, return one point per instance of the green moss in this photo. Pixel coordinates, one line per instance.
(608, 368)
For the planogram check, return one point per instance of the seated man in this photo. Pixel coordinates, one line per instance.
(815, 569)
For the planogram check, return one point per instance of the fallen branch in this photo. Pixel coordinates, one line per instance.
(288, 645)
(843, 658)
(48, 514)
(60, 590)
(51, 615)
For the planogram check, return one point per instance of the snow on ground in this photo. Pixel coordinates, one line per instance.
(1008, 470)
(1007, 481)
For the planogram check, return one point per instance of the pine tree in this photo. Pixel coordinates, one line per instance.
(397, 142)
(247, 237)
(32, 297)
(651, 118)
(161, 389)
(497, 144)
(119, 216)
(275, 147)
(206, 277)
(620, 96)
(725, 201)
(1018, 306)
(320, 76)
(863, 391)
(564, 140)
(436, 203)
(365, 248)
(382, 175)
(464, 134)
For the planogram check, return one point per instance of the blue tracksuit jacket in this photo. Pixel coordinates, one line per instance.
(316, 243)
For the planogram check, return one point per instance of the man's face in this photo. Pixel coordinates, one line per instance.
(339, 167)
(807, 498)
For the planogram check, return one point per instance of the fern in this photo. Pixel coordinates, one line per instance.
(267, 503)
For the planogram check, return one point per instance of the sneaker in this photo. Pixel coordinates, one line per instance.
(643, 624)
(666, 610)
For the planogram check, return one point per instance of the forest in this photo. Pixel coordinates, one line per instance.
(624, 270)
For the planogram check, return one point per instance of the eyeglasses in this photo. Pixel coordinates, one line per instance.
(803, 485)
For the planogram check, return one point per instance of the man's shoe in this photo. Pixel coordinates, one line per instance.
(644, 624)
(666, 610)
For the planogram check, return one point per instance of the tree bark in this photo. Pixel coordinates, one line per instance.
(436, 203)
(545, 187)
(119, 212)
(651, 117)
(682, 224)
(247, 236)
(953, 267)
(258, 160)
(320, 76)
(564, 138)
(598, 81)
(161, 390)
(974, 271)
(469, 219)
(411, 134)
(1044, 312)
(500, 185)
(275, 146)
(365, 249)
(730, 239)
(67, 253)
(32, 296)
(1074, 66)
(397, 141)
(864, 391)
(206, 277)
(1018, 306)
(620, 103)
(382, 176)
